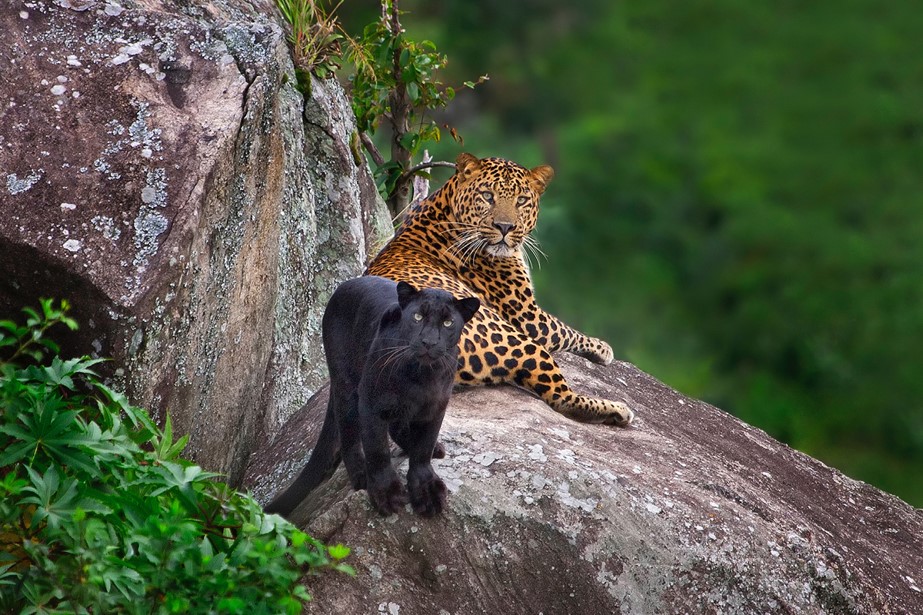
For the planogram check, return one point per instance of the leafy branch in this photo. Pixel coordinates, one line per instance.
(394, 80)
(30, 340)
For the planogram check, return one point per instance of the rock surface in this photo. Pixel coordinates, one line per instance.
(687, 511)
(158, 169)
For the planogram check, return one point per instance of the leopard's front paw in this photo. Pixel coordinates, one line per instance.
(619, 414)
(593, 410)
(597, 351)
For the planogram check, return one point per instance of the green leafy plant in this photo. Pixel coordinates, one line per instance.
(98, 512)
(396, 81)
(315, 38)
(29, 340)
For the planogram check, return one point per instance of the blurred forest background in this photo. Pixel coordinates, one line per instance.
(737, 207)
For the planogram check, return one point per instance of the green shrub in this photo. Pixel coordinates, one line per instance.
(99, 514)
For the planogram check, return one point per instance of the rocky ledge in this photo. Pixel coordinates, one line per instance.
(689, 510)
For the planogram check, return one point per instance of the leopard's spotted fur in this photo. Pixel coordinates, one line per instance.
(467, 239)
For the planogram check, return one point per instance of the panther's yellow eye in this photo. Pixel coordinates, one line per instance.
(522, 200)
(446, 323)
(418, 316)
(488, 196)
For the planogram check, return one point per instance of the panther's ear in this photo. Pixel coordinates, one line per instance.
(467, 307)
(391, 317)
(405, 292)
(466, 165)
(541, 176)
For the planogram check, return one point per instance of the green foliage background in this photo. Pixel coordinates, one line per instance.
(738, 201)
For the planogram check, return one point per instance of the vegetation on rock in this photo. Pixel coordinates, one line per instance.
(98, 513)
(394, 80)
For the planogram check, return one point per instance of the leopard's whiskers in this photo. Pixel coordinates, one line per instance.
(465, 246)
(530, 249)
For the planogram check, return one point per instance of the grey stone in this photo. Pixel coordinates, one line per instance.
(687, 511)
(158, 169)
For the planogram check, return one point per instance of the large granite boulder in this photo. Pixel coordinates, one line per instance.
(159, 169)
(687, 511)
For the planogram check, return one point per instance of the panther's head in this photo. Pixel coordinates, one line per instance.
(495, 205)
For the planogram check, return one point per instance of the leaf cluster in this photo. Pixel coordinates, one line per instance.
(98, 513)
(397, 79)
(315, 37)
(29, 340)
(386, 60)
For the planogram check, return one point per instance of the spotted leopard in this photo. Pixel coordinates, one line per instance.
(467, 238)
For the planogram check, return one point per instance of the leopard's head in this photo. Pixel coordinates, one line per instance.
(495, 205)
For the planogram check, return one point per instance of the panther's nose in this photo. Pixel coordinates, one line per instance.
(504, 227)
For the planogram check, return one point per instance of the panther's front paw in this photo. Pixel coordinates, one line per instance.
(358, 481)
(389, 496)
(428, 497)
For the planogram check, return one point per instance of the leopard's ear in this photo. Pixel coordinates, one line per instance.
(466, 165)
(540, 177)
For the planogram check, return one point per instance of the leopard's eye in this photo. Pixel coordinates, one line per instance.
(488, 196)
(522, 200)
(417, 316)
(447, 323)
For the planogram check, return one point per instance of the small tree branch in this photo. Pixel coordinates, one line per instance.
(371, 149)
(428, 165)
(421, 182)
(401, 110)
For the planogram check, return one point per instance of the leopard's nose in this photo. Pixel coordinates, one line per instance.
(504, 227)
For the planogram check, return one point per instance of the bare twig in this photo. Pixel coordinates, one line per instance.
(429, 165)
(371, 149)
(421, 181)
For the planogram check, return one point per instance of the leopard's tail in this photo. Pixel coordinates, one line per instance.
(324, 459)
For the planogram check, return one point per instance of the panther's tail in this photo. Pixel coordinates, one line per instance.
(324, 460)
